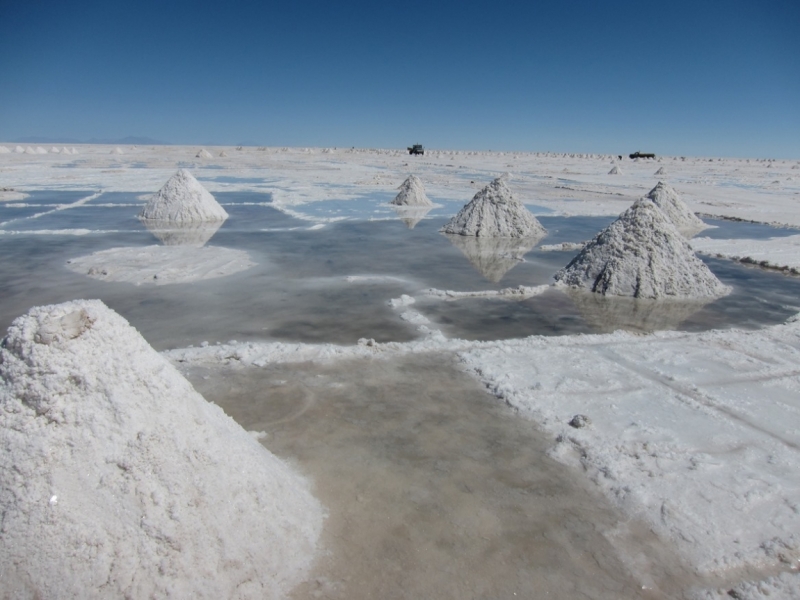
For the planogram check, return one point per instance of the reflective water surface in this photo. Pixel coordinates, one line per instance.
(436, 490)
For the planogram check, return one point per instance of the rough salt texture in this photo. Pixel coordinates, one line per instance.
(495, 212)
(183, 199)
(412, 193)
(669, 201)
(120, 481)
(641, 255)
(204, 154)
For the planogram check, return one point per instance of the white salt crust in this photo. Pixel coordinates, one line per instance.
(641, 255)
(183, 199)
(119, 480)
(495, 212)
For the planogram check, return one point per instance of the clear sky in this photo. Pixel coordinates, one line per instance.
(701, 78)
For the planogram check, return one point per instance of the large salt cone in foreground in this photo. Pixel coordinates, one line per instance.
(120, 481)
(183, 199)
(641, 255)
(493, 257)
(669, 201)
(412, 193)
(495, 212)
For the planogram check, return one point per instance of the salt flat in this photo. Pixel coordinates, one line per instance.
(694, 435)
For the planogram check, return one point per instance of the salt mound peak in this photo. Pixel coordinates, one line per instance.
(615, 171)
(65, 150)
(412, 193)
(223, 154)
(183, 199)
(495, 212)
(40, 150)
(4, 150)
(111, 459)
(19, 150)
(54, 150)
(661, 171)
(669, 201)
(641, 255)
(117, 150)
(203, 154)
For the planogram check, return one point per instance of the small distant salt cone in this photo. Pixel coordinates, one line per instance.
(223, 154)
(54, 150)
(65, 150)
(493, 257)
(29, 150)
(204, 154)
(412, 193)
(661, 171)
(495, 212)
(117, 151)
(19, 150)
(40, 150)
(641, 255)
(670, 203)
(73, 150)
(4, 150)
(183, 199)
(615, 171)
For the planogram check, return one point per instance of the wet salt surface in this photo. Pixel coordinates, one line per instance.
(724, 229)
(435, 489)
(298, 290)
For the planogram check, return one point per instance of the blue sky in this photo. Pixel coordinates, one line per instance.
(687, 78)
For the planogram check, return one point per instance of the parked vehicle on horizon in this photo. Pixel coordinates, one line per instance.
(638, 154)
(416, 149)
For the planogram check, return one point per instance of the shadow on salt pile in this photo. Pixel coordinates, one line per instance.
(493, 257)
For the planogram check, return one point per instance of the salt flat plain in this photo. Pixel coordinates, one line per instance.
(694, 436)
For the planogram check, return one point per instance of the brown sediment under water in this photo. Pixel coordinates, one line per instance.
(435, 489)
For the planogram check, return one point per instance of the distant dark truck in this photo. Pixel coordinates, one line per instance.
(416, 149)
(642, 155)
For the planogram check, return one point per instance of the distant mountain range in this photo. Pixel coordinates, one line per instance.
(126, 141)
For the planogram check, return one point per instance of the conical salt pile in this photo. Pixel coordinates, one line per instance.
(203, 154)
(65, 150)
(495, 212)
(40, 150)
(4, 150)
(615, 171)
(641, 255)
(19, 150)
(183, 199)
(29, 150)
(661, 171)
(412, 193)
(667, 199)
(117, 150)
(121, 481)
(54, 150)
(223, 154)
